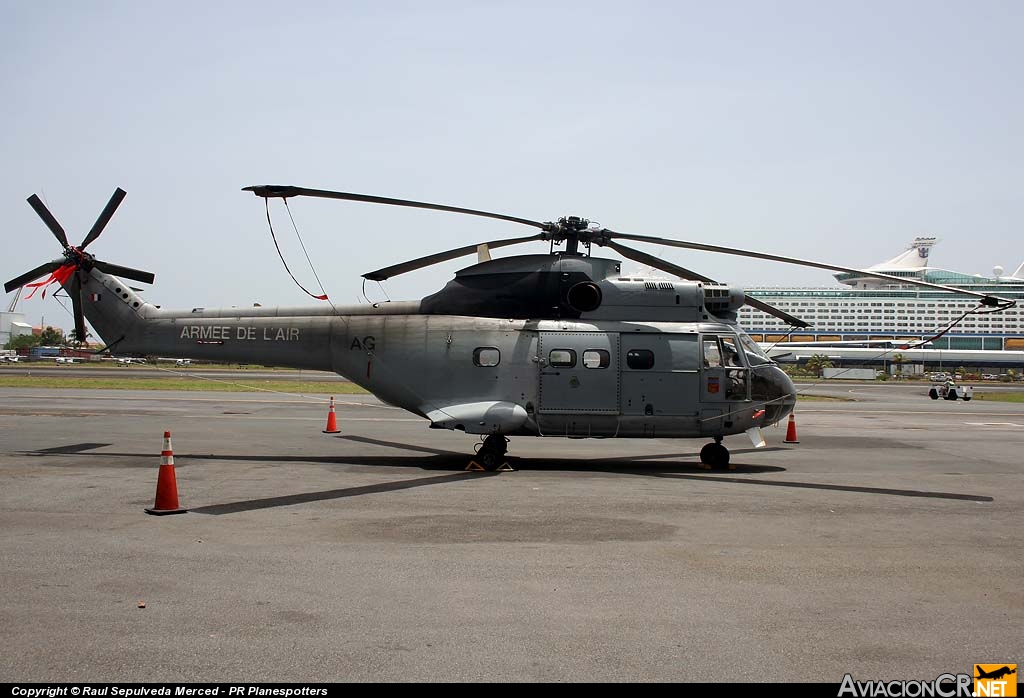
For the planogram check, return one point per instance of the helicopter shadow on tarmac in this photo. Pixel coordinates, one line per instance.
(668, 462)
(432, 460)
(668, 465)
(453, 464)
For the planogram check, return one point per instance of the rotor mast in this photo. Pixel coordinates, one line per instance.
(568, 228)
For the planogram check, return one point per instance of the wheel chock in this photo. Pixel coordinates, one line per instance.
(704, 466)
(475, 467)
(505, 468)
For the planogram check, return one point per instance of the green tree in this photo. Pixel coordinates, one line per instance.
(52, 337)
(24, 341)
(818, 363)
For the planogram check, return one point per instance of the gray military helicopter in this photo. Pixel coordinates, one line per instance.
(557, 344)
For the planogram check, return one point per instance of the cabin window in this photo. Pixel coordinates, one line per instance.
(596, 358)
(562, 358)
(486, 356)
(640, 359)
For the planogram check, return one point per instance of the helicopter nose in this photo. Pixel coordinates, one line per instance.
(771, 385)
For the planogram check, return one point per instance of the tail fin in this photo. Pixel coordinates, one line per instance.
(114, 310)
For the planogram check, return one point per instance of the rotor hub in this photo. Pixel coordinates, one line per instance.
(572, 230)
(79, 257)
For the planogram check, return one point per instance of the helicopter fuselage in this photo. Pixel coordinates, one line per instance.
(576, 377)
(561, 344)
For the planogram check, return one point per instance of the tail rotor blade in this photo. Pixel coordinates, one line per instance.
(124, 272)
(42, 269)
(104, 217)
(76, 303)
(40, 208)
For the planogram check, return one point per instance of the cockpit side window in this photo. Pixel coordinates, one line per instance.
(712, 355)
(723, 352)
(730, 353)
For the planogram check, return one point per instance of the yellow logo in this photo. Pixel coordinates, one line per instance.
(998, 680)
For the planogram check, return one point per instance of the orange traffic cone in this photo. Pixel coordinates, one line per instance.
(166, 484)
(332, 420)
(791, 431)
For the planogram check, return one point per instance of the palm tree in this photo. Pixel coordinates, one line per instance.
(899, 360)
(818, 363)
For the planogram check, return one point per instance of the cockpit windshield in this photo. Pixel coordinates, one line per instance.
(755, 356)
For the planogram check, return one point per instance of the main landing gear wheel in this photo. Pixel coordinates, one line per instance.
(491, 453)
(715, 455)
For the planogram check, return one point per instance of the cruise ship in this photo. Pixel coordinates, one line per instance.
(866, 308)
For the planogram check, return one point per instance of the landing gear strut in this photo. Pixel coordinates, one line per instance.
(714, 455)
(491, 453)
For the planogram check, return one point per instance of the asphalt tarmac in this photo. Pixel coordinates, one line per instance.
(886, 544)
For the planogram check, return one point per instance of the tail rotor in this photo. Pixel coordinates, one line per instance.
(72, 270)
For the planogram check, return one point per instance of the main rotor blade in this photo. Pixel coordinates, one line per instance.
(125, 272)
(76, 305)
(19, 281)
(412, 265)
(284, 191)
(682, 272)
(987, 299)
(104, 217)
(775, 312)
(652, 261)
(40, 208)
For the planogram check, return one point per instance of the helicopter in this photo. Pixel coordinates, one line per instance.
(558, 344)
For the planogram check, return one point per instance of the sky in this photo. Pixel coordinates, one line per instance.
(822, 130)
